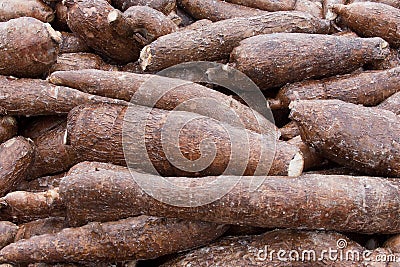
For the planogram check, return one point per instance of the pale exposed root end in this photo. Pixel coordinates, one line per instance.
(65, 138)
(296, 165)
(54, 79)
(113, 16)
(55, 35)
(145, 57)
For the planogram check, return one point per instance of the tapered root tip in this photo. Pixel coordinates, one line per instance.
(296, 165)
(145, 57)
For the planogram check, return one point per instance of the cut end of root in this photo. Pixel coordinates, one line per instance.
(55, 35)
(113, 16)
(274, 104)
(145, 57)
(296, 165)
(65, 138)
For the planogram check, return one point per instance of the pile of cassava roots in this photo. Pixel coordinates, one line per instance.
(78, 79)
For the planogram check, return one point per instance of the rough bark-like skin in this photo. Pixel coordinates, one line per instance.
(306, 202)
(368, 88)
(88, 19)
(366, 139)
(336, 171)
(80, 61)
(370, 19)
(8, 231)
(311, 158)
(124, 86)
(311, 7)
(391, 61)
(41, 184)
(165, 6)
(12, 9)
(197, 25)
(244, 251)
(149, 22)
(8, 128)
(71, 43)
(49, 225)
(52, 155)
(21, 206)
(216, 10)
(93, 166)
(286, 155)
(289, 131)
(216, 41)
(16, 156)
(269, 5)
(38, 97)
(39, 125)
(272, 60)
(135, 238)
(392, 104)
(29, 47)
(393, 3)
(95, 132)
(393, 244)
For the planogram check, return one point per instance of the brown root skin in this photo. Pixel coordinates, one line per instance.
(370, 19)
(392, 104)
(96, 132)
(142, 23)
(36, 126)
(61, 18)
(197, 25)
(289, 131)
(286, 202)
(268, 5)
(52, 155)
(262, 250)
(393, 244)
(12, 9)
(93, 166)
(41, 184)
(29, 47)
(8, 128)
(322, 55)
(312, 7)
(368, 88)
(71, 43)
(38, 97)
(21, 206)
(130, 239)
(375, 151)
(8, 230)
(139, 89)
(311, 158)
(80, 61)
(391, 61)
(16, 156)
(185, 46)
(49, 225)
(288, 160)
(393, 3)
(216, 10)
(164, 6)
(88, 19)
